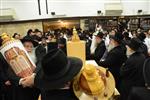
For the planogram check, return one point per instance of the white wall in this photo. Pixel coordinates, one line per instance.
(149, 6)
(130, 7)
(25, 9)
(28, 9)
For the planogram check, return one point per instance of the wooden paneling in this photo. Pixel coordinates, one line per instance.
(20, 28)
(60, 24)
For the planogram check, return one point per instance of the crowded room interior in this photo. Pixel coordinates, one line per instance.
(74, 49)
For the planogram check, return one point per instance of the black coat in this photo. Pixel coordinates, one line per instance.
(139, 93)
(144, 50)
(5, 91)
(58, 95)
(88, 51)
(114, 60)
(132, 74)
(3, 70)
(40, 52)
(99, 51)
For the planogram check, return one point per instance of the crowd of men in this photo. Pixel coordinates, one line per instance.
(123, 52)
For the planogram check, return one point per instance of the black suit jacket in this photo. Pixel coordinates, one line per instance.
(144, 50)
(132, 74)
(99, 51)
(58, 95)
(3, 75)
(139, 93)
(114, 60)
(3, 70)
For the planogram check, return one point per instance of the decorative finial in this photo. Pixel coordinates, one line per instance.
(75, 36)
(5, 37)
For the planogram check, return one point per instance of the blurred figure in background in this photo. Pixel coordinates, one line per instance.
(16, 36)
(147, 41)
(126, 37)
(143, 46)
(94, 44)
(38, 35)
(62, 45)
(134, 34)
(30, 33)
(50, 37)
(41, 50)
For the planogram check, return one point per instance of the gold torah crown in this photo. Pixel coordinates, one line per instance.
(75, 36)
(90, 81)
(5, 37)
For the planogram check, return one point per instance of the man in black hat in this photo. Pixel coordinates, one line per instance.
(30, 44)
(30, 33)
(62, 44)
(43, 48)
(16, 36)
(115, 58)
(126, 37)
(142, 93)
(55, 77)
(20, 91)
(143, 47)
(100, 49)
(132, 70)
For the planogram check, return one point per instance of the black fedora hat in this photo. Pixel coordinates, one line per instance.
(118, 37)
(29, 39)
(146, 72)
(142, 36)
(100, 35)
(56, 70)
(134, 44)
(62, 41)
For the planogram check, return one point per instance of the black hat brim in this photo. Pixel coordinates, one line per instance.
(133, 47)
(116, 39)
(30, 40)
(48, 84)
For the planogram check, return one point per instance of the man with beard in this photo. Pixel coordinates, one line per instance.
(132, 70)
(115, 58)
(56, 75)
(20, 91)
(43, 48)
(100, 49)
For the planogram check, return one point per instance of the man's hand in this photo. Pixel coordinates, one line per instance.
(28, 81)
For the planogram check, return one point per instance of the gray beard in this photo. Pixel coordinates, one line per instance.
(110, 47)
(32, 56)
